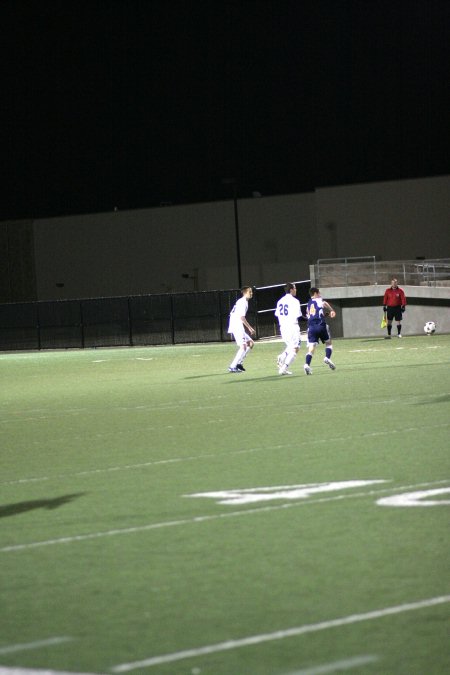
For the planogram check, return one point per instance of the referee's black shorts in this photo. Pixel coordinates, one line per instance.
(394, 313)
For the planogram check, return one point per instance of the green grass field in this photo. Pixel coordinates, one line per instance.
(109, 564)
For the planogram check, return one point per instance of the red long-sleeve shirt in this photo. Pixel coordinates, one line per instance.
(394, 297)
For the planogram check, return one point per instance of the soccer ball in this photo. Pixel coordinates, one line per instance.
(429, 327)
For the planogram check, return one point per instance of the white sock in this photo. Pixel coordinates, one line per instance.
(241, 354)
(244, 355)
(289, 358)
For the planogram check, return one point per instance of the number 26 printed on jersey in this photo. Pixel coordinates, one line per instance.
(283, 310)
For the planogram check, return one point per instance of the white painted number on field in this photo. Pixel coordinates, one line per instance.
(421, 498)
(252, 495)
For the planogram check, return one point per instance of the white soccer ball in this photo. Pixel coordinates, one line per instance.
(430, 327)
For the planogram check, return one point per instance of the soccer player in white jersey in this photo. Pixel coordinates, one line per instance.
(288, 312)
(237, 327)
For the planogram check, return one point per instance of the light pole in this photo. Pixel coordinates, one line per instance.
(233, 182)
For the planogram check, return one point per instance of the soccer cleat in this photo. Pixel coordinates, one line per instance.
(387, 337)
(284, 371)
(399, 335)
(329, 363)
(240, 367)
(233, 370)
(307, 369)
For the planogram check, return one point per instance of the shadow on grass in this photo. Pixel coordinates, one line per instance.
(375, 339)
(23, 507)
(237, 377)
(443, 398)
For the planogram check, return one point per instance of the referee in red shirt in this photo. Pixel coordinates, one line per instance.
(394, 304)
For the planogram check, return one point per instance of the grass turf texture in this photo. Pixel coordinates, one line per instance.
(100, 448)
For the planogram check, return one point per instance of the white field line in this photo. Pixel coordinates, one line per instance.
(169, 407)
(279, 635)
(33, 671)
(409, 349)
(204, 519)
(22, 647)
(344, 664)
(211, 455)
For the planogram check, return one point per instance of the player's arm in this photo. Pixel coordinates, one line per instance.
(403, 299)
(329, 309)
(250, 329)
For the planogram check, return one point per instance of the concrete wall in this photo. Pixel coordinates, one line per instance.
(361, 310)
(17, 261)
(398, 220)
(148, 251)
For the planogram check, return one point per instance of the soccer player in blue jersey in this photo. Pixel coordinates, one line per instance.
(318, 329)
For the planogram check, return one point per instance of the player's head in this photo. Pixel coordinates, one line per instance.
(247, 291)
(314, 292)
(394, 282)
(290, 288)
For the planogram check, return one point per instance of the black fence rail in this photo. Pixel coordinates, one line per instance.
(123, 321)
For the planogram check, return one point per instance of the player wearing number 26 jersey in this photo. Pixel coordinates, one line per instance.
(288, 312)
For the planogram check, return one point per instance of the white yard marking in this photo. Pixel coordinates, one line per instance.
(357, 351)
(280, 634)
(202, 519)
(252, 495)
(411, 349)
(25, 646)
(33, 671)
(345, 664)
(421, 498)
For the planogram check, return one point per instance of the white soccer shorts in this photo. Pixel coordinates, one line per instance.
(291, 336)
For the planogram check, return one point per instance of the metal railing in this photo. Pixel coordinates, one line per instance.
(367, 271)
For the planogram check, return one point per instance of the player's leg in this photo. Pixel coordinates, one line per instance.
(284, 368)
(328, 351)
(398, 319)
(389, 317)
(282, 356)
(326, 339)
(248, 346)
(292, 347)
(240, 341)
(307, 367)
(312, 343)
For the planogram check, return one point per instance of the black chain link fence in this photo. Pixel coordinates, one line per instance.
(124, 321)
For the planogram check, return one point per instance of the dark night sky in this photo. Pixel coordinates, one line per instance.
(131, 103)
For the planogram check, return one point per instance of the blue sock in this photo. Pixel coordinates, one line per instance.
(308, 359)
(328, 351)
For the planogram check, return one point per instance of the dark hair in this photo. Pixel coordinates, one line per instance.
(289, 286)
(313, 290)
